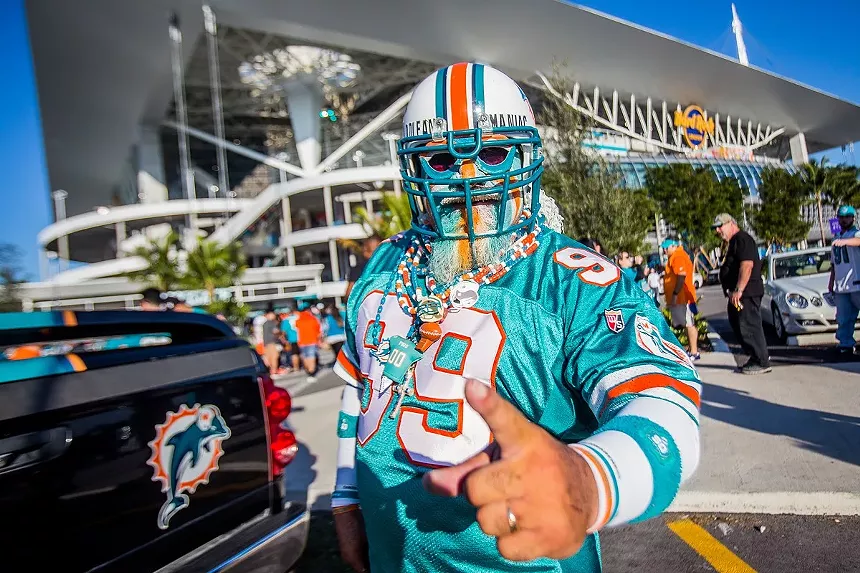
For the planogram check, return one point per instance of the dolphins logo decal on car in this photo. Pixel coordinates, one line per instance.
(185, 453)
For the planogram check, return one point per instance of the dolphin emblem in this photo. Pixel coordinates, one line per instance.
(191, 441)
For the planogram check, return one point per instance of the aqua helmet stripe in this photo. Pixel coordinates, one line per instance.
(441, 103)
(478, 85)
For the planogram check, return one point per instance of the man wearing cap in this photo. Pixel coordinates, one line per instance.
(740, 277)
(680, 292)
(845, 279)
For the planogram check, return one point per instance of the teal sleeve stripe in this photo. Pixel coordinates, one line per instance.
(663, 457)
(613, 479)
(345, 493)
(347, 426)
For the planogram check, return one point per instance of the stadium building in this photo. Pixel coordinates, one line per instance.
(272, 122)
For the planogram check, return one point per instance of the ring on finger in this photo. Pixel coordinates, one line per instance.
(512, 521)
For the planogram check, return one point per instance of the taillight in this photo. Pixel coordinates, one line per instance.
(282, 442)
(284, 448)
(278, 404)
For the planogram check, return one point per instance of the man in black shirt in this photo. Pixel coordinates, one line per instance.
(740, 277)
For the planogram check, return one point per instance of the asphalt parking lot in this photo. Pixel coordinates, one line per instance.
(685, 543)
(776, 491)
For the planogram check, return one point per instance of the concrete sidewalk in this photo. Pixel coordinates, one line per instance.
(784, 442)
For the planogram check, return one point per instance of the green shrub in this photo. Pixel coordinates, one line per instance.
(681, 333)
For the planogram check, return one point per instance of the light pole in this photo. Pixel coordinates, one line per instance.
(215, 84)
(391, 138)
(60, 196)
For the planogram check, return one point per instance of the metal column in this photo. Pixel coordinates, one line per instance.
(63, 242)
(332, 244)
(215, 83)
(182, 117)
(287, 221)
(391, 138)
(120, 237)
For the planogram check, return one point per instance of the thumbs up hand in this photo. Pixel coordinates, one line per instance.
(533, 493)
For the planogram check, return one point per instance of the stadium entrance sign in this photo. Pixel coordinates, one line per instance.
(694, 125)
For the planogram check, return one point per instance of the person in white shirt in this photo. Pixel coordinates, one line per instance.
(654, 279)
(845, 279)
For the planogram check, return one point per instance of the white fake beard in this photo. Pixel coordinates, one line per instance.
(453, 257)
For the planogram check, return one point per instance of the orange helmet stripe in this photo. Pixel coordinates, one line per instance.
(458, 99)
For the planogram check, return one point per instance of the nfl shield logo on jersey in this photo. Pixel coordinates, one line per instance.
(614, 320)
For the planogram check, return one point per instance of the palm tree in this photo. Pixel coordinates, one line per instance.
(162, 264)
(826, 183)
(396, 216)
(846, 189)
(212, 265)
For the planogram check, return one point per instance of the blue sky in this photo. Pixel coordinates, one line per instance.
(814, 43)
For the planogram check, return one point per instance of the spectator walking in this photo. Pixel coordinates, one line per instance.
(680, 292)
(271, 335)
(368, 246)
(257, 331)
(845, 280)
(291, 339)
(740, 278)
(654, 279)
(309, 331)
(335, 334)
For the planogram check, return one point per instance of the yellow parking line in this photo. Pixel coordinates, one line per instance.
(706, 545)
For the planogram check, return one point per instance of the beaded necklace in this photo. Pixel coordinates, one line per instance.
(412, 268)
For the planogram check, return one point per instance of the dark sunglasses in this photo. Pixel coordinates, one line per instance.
(444, 161)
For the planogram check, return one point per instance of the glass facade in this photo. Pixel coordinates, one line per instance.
(748, 173)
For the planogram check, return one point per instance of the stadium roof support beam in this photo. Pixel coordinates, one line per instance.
(652, 123)
(238, 149)
(372, 126)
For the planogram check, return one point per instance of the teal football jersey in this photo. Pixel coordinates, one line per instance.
(564, 337)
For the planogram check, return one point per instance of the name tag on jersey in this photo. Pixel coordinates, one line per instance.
(401, 358)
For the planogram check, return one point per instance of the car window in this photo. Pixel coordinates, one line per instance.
(83, 346)
(802, 265)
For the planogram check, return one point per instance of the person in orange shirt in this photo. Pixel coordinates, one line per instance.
(309, 329)
(681, 292)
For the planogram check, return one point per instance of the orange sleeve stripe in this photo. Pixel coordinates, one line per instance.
(69, 318)
(652, 381)
(607, 511)
(350, 368)
(458, 101)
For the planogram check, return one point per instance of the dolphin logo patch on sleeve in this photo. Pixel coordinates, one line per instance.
(185, 453)
(649, 339)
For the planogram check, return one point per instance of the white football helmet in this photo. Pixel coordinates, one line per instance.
(469, 135)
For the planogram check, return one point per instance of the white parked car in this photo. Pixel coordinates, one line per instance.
(698, 281)
(796, 300)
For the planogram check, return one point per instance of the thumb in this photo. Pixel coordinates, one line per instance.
(508, 425)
